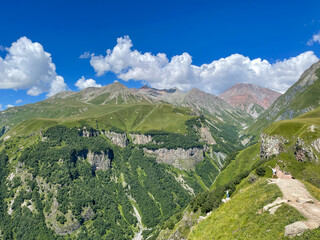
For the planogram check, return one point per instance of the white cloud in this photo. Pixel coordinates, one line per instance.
(315, 39)
(0, 107)
(82, 83)
(214, 77)
(9, 106)
(19, 101)
(27, 66)
(85, 55)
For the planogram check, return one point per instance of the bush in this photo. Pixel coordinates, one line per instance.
(260, 171)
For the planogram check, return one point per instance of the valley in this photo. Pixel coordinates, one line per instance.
(125, 163)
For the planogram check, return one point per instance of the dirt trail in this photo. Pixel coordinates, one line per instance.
(296, 195)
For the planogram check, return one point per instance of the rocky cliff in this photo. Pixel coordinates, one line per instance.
(271, 145)
(205, 136)
(119, 139)
(140, 138)
(100, 161)
(179, 158)
(304, 152)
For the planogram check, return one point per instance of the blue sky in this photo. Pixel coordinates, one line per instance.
(200, 40)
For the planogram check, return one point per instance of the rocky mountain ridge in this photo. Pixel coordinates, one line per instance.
(249, 97)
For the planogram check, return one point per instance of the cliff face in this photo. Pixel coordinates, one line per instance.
(100, 161)
(140, 138)
(119, 139)
(179, 158)
(205, 136)
(303, 152)
(271, 145)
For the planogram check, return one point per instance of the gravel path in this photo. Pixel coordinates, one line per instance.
(296, 195)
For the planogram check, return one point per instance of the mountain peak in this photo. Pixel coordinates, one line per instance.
(145, 87)
(115, 86)
(198, 91)
(250, 97)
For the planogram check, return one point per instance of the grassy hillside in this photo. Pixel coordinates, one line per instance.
(129, 117)
(300, 134)
(243, 162)
(302, 97)
(239, 218)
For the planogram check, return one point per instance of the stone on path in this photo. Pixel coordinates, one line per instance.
(295, 229)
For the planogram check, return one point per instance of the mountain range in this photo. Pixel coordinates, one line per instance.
(125, 163)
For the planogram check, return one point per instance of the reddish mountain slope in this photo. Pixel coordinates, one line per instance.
(249, 97)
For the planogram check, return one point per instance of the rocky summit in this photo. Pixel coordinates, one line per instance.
(249, 97)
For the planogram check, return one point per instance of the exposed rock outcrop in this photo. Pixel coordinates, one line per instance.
(205, 136)
(271, 145)
(179, 158)
(295, 229)
(140, 138)
(88, 133)
(316, 145)
(100, 161)
(303, 152)
(119, 139)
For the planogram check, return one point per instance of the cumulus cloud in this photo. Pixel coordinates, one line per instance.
(85, 55)
(82, 83)
(0, 107)
(27, 66)
(214, 77)
(315, 39)
(9, 106)
(19, 101)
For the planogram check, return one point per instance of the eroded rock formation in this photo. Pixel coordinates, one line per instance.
(100, 161)
(119, 139)
(271, 145)
(140, 138)
(179, 158)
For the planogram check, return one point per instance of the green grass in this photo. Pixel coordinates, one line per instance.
(314, 191)
(238, 218)
(127, 117)
(296, 101)
(244, 161)
(296, 128)
(308, 235)
(307, 128)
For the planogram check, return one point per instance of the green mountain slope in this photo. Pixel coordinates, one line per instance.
(88, 187)
(293, 146)
(302, 97)
(239, 218)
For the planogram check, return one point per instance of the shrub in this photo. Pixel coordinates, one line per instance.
(260, 171)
